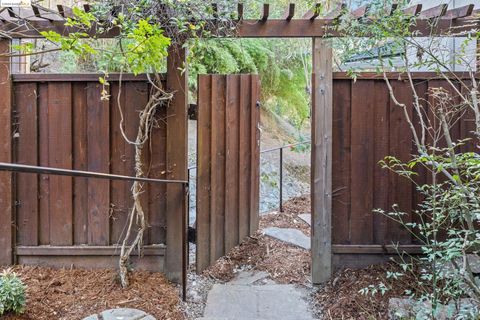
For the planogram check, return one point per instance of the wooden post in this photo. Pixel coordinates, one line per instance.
(6, 209)
(321, 185)
(177, 154)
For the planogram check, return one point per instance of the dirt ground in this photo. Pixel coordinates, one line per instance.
(75, 294)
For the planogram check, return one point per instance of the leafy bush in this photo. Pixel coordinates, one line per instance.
(12, 293)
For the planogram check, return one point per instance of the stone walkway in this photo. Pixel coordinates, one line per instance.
(256, 302)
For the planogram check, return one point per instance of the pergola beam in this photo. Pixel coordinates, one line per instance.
(290, 13)
(313, 13)
(458, 13)
(435, 12)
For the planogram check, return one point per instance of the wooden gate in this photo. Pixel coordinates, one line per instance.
(228, 164)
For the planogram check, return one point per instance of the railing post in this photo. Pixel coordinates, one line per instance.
(281, 179)
(6, 193)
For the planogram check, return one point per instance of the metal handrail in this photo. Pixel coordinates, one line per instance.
(21, 168)
(280, 149)
(77, 173)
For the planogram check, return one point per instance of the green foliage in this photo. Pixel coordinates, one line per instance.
(284, 87)
(147, 48)
(12, 293)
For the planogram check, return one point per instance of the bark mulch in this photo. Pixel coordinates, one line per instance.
(341, 298)
(74, 294)
(285, 263)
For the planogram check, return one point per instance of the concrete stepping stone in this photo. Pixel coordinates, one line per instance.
(291, 236)
(121, 314)
(248, 277)
(269, 302)
(307, 217)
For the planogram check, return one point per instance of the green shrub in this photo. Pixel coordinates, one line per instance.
(12, 293)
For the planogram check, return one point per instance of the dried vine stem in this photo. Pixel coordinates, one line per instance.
(136, 217)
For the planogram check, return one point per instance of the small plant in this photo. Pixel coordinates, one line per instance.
(12, 293)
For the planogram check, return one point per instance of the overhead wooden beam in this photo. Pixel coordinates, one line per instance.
(435, 12)
(290, 12)
(392, 9)
(272, 28)
(24, 14)
(240, 11)
(313, 13)
(337, 12)
(6, 190)
(65, 11)
(44, 13)
(458, 13)
(361, 12)
(413, 10)
(321, 183)
(266, 12)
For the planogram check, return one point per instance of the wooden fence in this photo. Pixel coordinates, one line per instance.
(367, 126)
(228, 164)
(62, 121)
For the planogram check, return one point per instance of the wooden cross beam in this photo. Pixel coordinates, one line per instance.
(458, 13)
(313, 13)
(290, 13)
(27, 23)
(435, 12)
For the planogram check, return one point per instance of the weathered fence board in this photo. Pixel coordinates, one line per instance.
(6, 188)
(64, 123)
(367, 127)
(228, 164)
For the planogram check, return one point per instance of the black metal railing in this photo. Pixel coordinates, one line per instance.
(281, 152)
(21, 168)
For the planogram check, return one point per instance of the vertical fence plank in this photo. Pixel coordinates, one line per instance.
(203, 171)
(98, 113)
(254, 154)
(26, 153)
(231, 163)
(322, 112)
(44, 180)
(341, 162)
(6, 214)
(244, 157)
(217, 195)
(381, 149)
(177, 151)
(60, 156)
(120, 197)
(80, 162)
(400, 147)
(363, 162)
(158, 192)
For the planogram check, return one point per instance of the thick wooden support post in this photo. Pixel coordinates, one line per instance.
(176, 160)
(321, 187)
(6, 209)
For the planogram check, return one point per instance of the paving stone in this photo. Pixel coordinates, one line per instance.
(121, 314)
(240, 302)
(291, 236)
(307, 217)
(248, 277)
